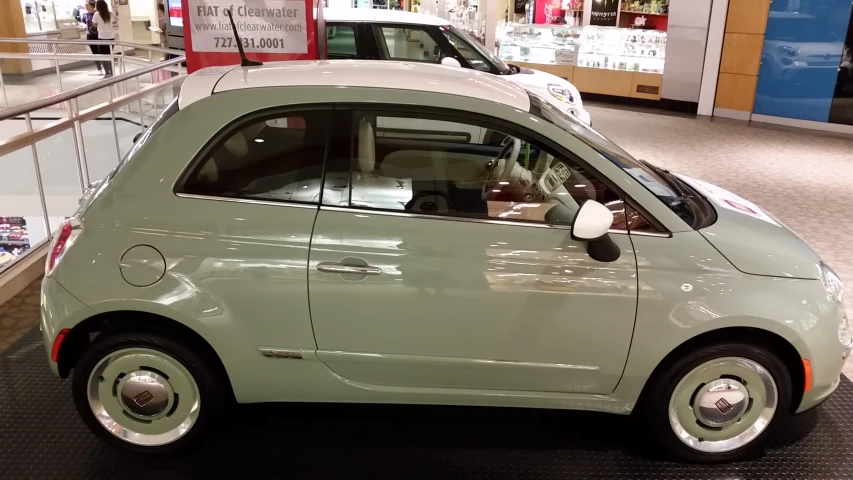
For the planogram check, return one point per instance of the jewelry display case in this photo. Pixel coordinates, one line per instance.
(614, 61)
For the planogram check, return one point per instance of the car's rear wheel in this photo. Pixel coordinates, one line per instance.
(719, 404)
(144, 392)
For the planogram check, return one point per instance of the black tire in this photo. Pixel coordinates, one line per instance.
(210, 394)
(654, 407)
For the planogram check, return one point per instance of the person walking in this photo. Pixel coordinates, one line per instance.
(91, 29)
(103, 22)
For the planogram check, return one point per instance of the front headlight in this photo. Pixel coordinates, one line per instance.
(832, 283)
(787, 51)
(561, 93)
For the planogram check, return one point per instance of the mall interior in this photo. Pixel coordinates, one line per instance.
(115, 377)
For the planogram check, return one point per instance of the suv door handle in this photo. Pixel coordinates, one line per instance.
(329, 267)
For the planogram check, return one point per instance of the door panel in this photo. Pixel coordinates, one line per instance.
(462, 304)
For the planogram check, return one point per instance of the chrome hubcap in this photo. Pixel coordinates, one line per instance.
(723, 404)
(143, 396)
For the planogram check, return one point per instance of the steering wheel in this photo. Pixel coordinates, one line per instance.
(439, 203)
(500, 169)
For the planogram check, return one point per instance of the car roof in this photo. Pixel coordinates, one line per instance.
(380, 16)
(414, 76)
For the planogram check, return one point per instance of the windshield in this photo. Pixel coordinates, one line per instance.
(667, 187)
(478, 56)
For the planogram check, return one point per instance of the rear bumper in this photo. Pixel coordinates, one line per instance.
(59, 309)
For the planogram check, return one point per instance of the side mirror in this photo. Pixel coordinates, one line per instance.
(450, 62)
(592, 221)
(591, 225)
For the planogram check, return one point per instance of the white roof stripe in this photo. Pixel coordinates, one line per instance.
(380, 16)
(414, 76)
(200, 84)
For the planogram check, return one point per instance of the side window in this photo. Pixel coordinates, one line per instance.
(406, 43)
(341, 41)
(437, 165)
(474, 58)
(277, 157)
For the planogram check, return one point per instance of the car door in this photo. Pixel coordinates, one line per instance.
(439, 272)
(247, 207)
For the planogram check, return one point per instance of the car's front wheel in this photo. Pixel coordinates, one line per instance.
(719, 404)
(144, 392)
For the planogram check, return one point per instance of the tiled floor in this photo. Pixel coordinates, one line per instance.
(805, 180)
(19, 315)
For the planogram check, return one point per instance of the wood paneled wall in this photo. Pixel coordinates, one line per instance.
(741, 59)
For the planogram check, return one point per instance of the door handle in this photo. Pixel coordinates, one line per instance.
(348, 269)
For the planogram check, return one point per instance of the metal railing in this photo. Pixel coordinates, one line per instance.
(52, 148)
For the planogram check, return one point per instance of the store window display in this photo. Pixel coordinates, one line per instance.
(42, 16)
(627, 62)
(14, 239)
(381, 4)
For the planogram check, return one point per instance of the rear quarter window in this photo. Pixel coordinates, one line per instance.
(271, 158)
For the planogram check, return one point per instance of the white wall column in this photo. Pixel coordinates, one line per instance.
(587, 12)
(491, 16)
(442, 9)
(713, 54)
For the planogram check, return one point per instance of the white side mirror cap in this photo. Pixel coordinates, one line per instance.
(592, 221)
(450, 62)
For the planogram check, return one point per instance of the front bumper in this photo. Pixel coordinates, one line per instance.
(817, 397)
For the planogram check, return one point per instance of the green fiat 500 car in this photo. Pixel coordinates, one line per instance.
(382, 232)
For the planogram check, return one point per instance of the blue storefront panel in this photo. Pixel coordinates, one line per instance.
(801, 64)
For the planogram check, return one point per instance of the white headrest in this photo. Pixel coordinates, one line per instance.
(366, 146)
(238, 143)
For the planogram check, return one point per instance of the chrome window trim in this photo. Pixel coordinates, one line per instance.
(366, 211)
(652, 234)
(282, 203)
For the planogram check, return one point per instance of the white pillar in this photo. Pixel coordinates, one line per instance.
(491, 17)
(713, 55)
(587, 11)
(442, 8)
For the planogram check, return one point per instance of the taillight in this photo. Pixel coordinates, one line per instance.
(65, 236)
(57, 344)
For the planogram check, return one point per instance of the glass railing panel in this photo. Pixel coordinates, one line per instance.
(23, 224)
(61, 176)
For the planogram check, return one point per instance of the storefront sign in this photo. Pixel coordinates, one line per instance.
(265, 26)
(604, 13)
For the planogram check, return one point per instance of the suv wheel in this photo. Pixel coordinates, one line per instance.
(144, 392)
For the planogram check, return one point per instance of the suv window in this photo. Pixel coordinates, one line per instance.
(341, 42)
(477, 61)
(438, 165)
(273, 157)
(406, 43)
